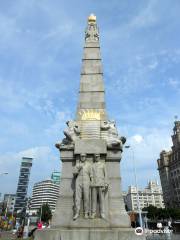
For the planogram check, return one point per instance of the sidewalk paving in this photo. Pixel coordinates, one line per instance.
(7, 235)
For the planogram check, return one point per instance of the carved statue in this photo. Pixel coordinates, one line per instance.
(72, 132)
(113, 139)
(83, 173)
(99, 186)
(91, 33)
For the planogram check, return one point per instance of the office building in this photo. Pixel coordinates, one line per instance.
(9, 201)
(44, 192)
(169, 170)
(151, 195)
(22, 188)
(55, 176)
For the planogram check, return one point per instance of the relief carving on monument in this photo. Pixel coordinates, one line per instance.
(92, 32)
(71, 134)
(83, 174)
(112, 137)
(91, 114)
(91, 186)
(99, 186)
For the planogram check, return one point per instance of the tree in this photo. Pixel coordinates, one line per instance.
(174, 213)
(152, 212)
(45, 213)
(155, 213)
(3, 208)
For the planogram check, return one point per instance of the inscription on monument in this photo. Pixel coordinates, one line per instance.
(91, 114)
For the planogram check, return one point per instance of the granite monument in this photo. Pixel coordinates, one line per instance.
(90, 205)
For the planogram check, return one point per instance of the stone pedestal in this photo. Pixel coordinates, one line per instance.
(88, 234)
(116, 215)
(116, 226)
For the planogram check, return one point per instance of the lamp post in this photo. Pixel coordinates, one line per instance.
(7, 205)
(135, 177)
(4, 173)
(42, 203)
(1, 174)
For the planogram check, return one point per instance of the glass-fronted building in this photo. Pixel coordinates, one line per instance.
(55, 177)
(22, 188)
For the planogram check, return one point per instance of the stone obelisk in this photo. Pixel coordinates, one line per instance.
(90, 205)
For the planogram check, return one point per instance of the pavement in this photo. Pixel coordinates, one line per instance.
(163, 237)
(7, 235)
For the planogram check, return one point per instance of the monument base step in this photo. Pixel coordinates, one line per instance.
(87, 234)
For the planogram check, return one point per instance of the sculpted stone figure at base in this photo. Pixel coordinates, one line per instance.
(83, 174)
(113, 139)
(71, 133)
(99, 186)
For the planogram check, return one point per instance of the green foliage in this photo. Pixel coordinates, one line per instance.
(22, 215)
(152, 212)
(45, 213)
(174, 213)
(3, 209)
(155, 213)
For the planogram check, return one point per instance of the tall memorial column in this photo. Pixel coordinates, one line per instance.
(90, 205)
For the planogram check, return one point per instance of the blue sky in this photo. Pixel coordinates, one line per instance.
(41, 48)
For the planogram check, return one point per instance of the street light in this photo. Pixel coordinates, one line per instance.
(4, 173)
(135, 177)
(7, 205)
(1, 174)
(42, 200)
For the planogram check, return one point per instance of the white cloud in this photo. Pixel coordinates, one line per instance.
(137, 138)
(174, 82)
(153, 65)
(145, 151)
(8, 28)
(146, 17)
(59, 123)
(16, 96)
(36, 152)
(149, 72)
(143, 177)
(61, 31)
